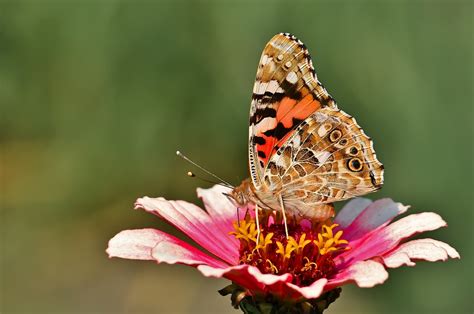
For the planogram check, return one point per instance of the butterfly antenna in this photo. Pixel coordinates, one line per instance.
(193, 175)
(190, 174)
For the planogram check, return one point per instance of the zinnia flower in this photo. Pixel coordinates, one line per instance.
(302, 272)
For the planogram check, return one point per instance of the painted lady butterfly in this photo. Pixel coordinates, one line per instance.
(304, 152)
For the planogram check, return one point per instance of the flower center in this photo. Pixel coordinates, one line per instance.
(307, 253)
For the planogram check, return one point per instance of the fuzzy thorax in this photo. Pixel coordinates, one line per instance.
(244, 194)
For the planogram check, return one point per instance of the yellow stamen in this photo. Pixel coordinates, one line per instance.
(246, 231)
(246, 258)
(264, 241)
(338, 235)
(308, 265)
(273, 268)
(328, 241)
(299, 246)
(285, 251)
(307, 255)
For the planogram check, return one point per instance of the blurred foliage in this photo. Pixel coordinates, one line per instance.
(96, 96)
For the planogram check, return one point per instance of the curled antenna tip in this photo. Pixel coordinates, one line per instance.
(190, 174)
(178, 153)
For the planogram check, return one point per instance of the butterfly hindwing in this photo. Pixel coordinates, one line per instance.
(328, 158)
(285, 93)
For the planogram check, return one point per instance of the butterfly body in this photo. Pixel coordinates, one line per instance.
(304, 152)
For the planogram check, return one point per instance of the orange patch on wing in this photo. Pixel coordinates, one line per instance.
(288, 109)
(265, 148)
(301, 110)
(284, 107)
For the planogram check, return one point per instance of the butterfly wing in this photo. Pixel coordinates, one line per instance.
(286, 92)
(328, 158)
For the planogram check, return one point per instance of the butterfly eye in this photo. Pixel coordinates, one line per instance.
(354, 164)
(240, 198)
(335, 135)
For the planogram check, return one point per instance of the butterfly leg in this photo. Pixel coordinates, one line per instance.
(284, 215)
(238, 217)
(257, 223)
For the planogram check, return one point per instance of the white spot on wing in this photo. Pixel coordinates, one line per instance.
(322, 131)
(322, 156)
(320, 117)
(255, 86)
(273, 86)
(265, 125)
(291, 77)
(262, 87)
(296, 142)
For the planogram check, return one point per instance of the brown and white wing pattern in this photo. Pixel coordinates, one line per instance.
(285, 93)
(328, 158)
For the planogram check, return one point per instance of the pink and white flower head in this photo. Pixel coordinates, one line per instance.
(304, 270)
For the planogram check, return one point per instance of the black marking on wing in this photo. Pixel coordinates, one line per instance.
(325, 101)
(290, 90)
(268, 97)
(372, 178)
(280, 131)
(259, 140)
(261, 114)
(307, 155)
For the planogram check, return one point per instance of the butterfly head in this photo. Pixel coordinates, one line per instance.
(242, 194)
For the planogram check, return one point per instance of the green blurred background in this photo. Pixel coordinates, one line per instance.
(96, 97)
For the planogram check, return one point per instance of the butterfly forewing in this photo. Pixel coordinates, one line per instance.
(285, 93)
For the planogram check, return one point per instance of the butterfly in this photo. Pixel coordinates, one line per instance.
(304, 152)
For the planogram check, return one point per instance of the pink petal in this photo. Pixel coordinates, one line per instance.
(385, 239)
(252, 279)
(365, 274)
(398, 260)
(376, 214)
(312, 291)
(195, 223)
(134, 244)
(177, 253)
(219, 207)
(152, 244)
(351, 210)
(422, 249)
(237, 274)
